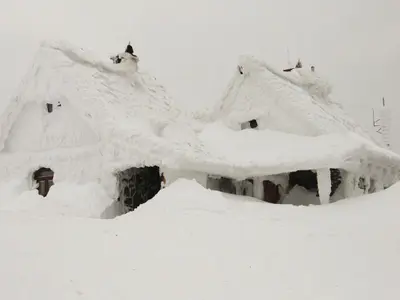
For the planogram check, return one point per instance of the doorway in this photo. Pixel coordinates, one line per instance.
(138, 185)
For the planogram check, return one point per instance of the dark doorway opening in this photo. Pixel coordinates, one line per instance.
(308, 180)
(138, 185)
(44, 179)
(271, 192)
(304, 178)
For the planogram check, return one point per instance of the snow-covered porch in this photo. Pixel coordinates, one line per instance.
(270, 165)
(317, 187)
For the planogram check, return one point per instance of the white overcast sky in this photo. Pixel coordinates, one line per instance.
(192, 46)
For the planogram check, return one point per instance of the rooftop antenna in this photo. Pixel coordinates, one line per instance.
(382, 124)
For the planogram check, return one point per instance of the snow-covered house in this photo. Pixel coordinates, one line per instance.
(79, 119)
(281, 138)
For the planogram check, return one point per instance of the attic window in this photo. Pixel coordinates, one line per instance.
(249, 124)
(253, 124)
(44, 180)
(49, 107)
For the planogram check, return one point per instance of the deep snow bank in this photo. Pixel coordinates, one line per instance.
(191, 243)
(64, 199)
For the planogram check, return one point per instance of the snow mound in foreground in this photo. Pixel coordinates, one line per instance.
(64, 199)
(192, 243)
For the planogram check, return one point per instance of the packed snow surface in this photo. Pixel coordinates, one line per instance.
(192, 243)
(64, 199)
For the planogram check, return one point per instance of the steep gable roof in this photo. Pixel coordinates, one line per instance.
(116, 101)
(297, 102)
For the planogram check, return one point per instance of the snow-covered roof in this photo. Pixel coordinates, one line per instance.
(123, 117)
(247, 153)
(101, 103)
(294, 102)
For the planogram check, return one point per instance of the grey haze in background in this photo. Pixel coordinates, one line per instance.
(192, 46)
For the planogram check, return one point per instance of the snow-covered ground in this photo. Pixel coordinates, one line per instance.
(192, 243)
(88, 200)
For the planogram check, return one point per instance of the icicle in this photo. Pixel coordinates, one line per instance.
(324, 185)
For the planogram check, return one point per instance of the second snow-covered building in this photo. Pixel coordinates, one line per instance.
(280, 137)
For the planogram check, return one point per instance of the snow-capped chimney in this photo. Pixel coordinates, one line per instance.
(129, 49)
(299, 65)
(126, 56)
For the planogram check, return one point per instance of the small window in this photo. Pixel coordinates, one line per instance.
(362, 185)
(253, 124)
(49, 107)
(44, 179)
(249, 124)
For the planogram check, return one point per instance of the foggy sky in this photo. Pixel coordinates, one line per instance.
(192, 46)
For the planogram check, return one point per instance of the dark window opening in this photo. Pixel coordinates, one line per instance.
(308, 180)
(231, 186)
(226, 185)
(253, 124)
(138, 185)
(49, 107)
(304, 178)
(362, 184)
(271, 192)
(44, 178)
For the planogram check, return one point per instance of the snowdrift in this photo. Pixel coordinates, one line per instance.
(191, 243)
(64, 199)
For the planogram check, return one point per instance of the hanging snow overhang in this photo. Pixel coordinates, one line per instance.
(252, 153)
